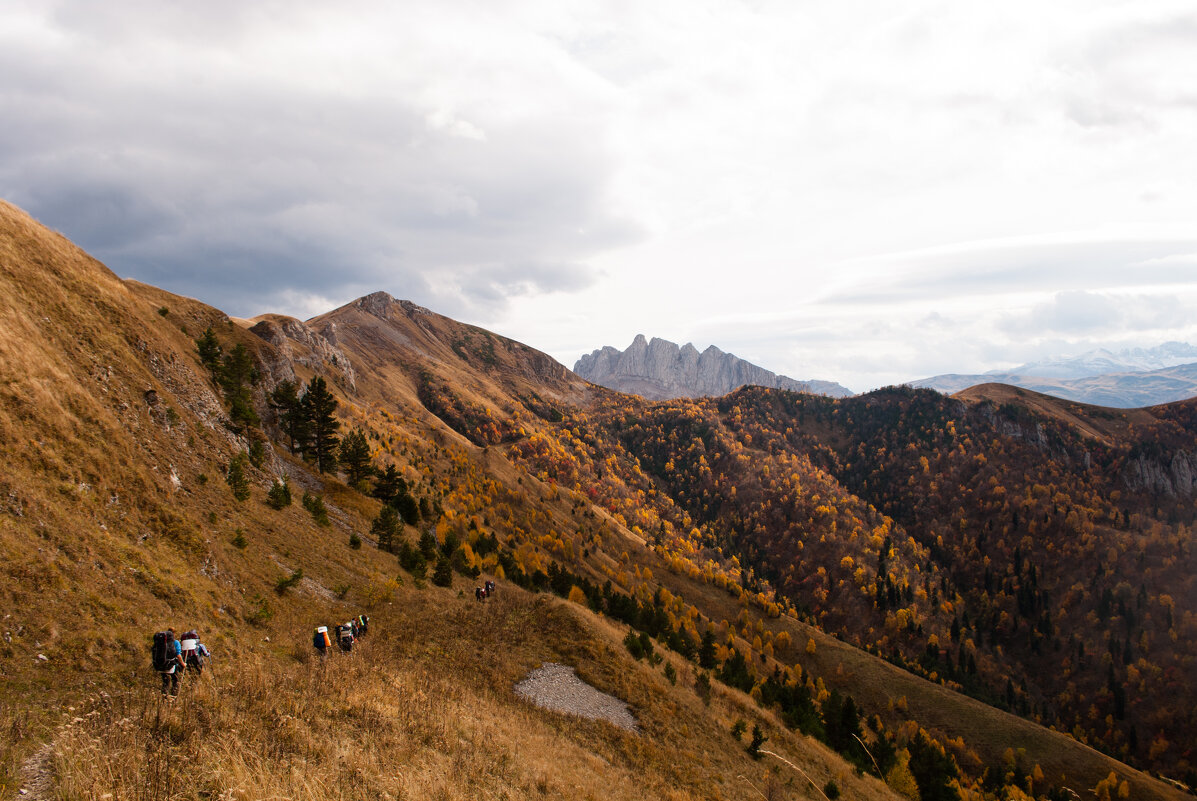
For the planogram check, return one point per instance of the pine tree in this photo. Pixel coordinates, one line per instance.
(385, 528)
(407, 507)
(237, 375)
(411, 560)
(280, 494)
(354, 457)
(389, 484)
(320, 404)
(442, 576)
(292, 415)
(428, 545)
(209, 352)
(236, 479)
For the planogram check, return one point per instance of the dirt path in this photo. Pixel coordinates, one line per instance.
(37, 775)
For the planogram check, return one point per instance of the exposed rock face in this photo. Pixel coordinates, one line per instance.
(1171, 477)
(660, 369)
(297, 342)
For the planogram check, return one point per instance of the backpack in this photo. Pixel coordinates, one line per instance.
(158, 650)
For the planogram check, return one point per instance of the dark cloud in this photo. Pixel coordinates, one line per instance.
(176, 151)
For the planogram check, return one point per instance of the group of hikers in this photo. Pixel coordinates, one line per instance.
(346, 633)
(172, 655)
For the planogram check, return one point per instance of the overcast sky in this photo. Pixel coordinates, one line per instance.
(866, 192)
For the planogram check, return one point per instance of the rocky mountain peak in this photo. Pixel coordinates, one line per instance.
(657, 369)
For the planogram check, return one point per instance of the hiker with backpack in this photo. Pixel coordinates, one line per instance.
(195, 654)
(363, 625)
(167, 658)
(345, 637)
(321, 642)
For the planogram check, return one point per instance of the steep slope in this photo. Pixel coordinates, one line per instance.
(659, 370)
(664, 518)
(116, 521)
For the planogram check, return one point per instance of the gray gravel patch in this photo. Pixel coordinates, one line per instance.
(557, 688)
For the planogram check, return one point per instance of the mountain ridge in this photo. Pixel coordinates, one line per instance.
(731, 518)
(661, 370)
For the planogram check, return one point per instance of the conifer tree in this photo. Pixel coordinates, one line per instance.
(385, 528)
(292, 415)
(428, 545)
(389, 484)
(407, 507)
(236, 479)
(280, 494)
(320, 404)
(442, 576)
(354, 457)
(237, 375)
(209, 352)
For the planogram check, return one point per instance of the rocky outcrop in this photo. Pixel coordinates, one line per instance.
(298, 343)
(1174, 477)
(660, 369)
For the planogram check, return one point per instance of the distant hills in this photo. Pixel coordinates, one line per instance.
(1124, 379)
(660, 369)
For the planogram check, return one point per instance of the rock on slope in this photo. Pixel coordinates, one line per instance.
(660, 369)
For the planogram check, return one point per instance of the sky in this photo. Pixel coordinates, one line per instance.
(863, 192)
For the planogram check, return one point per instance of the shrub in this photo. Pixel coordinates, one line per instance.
(355, 542)
(831, 790)
(261, 613)
(287, 582)
(239, 540)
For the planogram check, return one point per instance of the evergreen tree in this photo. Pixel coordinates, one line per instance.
(442, 576)
(209, 352)
(237, 375)
(408, 509)
(280, 494)
(236, 479)
(319, 405)
(412, 560)
(706, 651)
(385, 528)
(292, 415)
(389, 484)
(758, 739)
(428, 545)
(354, 457)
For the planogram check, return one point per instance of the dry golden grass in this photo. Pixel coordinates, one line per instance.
(425, 709)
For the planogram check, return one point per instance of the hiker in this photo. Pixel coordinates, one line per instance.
(477, 593)
(320, 642)
(195, 654)
(490, 588)
(345, 637)
(363, 624)
(167, 658)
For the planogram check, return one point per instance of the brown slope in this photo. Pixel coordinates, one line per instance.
(1107, 425)
(114, 522)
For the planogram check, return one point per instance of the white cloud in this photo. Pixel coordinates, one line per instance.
(854, 190)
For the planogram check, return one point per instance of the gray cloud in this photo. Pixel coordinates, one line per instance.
(180, 152)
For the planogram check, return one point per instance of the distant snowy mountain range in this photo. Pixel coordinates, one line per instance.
(1124, 379)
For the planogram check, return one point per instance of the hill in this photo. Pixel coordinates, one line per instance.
(660, 370)
(1121, 390)
(698, 559)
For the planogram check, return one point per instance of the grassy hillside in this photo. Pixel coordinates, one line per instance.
(726, 537)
